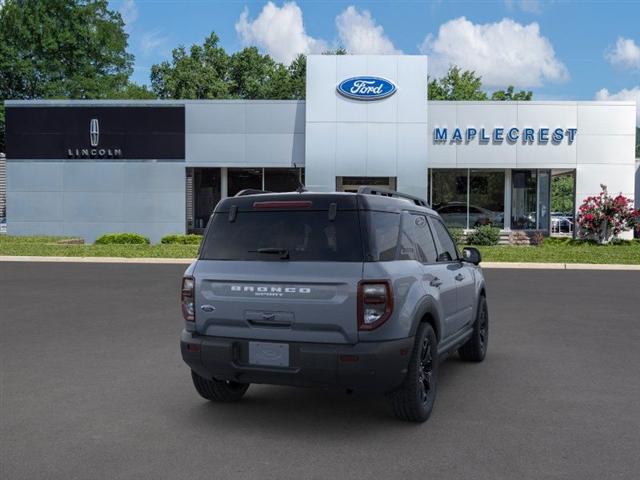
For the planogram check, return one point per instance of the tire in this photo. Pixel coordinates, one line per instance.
(218, 390)
(476, 347)
(413, 400)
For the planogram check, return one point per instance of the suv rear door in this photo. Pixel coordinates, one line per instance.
(457, 272)
(285, 272)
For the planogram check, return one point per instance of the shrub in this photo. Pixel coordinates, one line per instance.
(181, 239)
(537, 238)
(457, 234)
(484, 235)
(518, 238)
(603, 217)
(557, 241)
(122, 239)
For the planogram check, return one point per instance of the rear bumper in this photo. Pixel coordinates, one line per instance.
(366, 366)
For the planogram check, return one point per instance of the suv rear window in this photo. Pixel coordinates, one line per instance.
(304, 235)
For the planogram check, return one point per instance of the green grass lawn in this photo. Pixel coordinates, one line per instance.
(575, 252)
(49, 247)
(565, 253)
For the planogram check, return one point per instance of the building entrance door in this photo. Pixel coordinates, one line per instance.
(351, 184)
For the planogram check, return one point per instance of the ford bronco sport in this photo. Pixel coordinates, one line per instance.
(364, 291)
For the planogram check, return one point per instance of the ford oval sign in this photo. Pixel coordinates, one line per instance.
(366, 88)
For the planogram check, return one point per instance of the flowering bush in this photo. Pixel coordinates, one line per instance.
(604, 217)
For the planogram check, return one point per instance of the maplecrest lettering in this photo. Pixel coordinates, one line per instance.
(510, 135)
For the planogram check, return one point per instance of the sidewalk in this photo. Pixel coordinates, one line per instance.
(186, 261)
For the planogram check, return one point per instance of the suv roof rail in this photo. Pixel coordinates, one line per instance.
(250, 191)
(385, 192)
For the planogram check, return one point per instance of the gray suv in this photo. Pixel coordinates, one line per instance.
(363, 291)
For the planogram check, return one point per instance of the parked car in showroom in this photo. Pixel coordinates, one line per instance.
(455, 213)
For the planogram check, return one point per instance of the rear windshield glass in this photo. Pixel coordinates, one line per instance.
(284, 236)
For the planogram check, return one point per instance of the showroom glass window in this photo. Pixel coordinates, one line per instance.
(448, 193)
(282, 179)
(486, 198)
(243, 178)
(468, 198)
(524, 193)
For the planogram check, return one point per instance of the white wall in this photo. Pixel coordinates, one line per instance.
(346, 137)
(602, 152)
(89, 198)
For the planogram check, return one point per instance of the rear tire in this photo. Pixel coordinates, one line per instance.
(218, 390)
(476, 347)
(413, 400)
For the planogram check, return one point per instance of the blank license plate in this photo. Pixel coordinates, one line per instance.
(269, 354)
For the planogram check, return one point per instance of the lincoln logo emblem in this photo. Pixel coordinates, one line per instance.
(94, 132)
(94, 151)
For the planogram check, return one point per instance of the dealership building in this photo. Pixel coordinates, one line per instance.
(84, 168)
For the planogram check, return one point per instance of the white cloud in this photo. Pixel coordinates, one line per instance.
(129, 12)
(504, 53)
(626, 53)
(278, 31)
(151, 41)
(529, 6)
(360, 34)
(632, 94)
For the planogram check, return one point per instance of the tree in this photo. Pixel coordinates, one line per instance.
(199, 74)
(457, 85)
(61, 49)
(562, 193)
(298, 74)
(510, 95)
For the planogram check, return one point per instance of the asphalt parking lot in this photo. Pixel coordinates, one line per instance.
(93, 386)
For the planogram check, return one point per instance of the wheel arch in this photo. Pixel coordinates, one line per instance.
(428, 313)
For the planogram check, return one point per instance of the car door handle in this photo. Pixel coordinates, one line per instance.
(436, 282)
(459, 277)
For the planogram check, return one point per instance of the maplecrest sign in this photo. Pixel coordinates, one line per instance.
(510, 135)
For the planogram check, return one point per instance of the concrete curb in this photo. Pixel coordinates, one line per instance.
(559, 266)
(7, 258)
(186, 261)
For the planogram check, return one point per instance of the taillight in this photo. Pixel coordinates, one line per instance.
(187, 299)
(375, 303)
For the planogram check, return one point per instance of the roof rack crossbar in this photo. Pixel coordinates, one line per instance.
(250, 191)
(385, 192)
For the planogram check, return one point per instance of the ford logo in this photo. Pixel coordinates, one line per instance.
(366, 88)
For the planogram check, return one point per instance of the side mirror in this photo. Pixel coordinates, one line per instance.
(471, 255)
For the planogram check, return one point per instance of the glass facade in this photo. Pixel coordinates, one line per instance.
(282, 179)
(448, 195)
(470, 198)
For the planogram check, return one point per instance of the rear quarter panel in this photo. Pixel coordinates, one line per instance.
(408, 294)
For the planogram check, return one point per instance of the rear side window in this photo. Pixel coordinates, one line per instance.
(304, 235)
(383, 229)
(424, 239)
(447, 251)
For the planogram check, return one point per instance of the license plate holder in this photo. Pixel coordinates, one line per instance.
(269, 354)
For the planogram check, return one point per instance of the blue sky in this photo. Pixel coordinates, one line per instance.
(559, 49)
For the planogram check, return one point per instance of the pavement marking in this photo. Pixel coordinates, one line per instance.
(186, 261)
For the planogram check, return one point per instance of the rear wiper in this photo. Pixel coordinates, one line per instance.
(283, 252)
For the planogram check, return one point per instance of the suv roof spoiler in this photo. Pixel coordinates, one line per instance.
(250, 191)
(384, 192)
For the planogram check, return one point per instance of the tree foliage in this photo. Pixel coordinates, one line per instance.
(458, 84)
(562, 193)
(62, 49)
(207, 72)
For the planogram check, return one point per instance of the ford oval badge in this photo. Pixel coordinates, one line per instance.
(366, 88)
